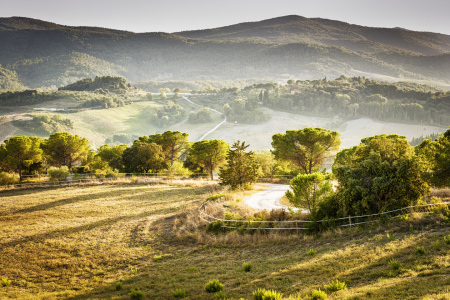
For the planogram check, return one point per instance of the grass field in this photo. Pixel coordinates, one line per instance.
(78, 242)
(98, 124)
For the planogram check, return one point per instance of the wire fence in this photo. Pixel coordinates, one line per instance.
(44, 180)
(299, 225)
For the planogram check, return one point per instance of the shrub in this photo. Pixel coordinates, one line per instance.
(217, 196)
(58, 174)
(311, 252)
(447, 239)
(263, 294)
(136, 294)
(5, 282)
(395, 264)
(134, 271)
(215, 227)
(213, 286)
(437, 245)
(7, 179)
(258, 294)
(420, 250)
(335, 286)
(247, 267)
(112, 174)
(390, 237)
(118, 286)
(318, 294)
(220, 295)
(179, 293)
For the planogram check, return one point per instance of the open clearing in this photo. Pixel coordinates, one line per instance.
(77, 242)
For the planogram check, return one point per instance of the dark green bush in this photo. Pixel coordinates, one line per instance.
(215, 227)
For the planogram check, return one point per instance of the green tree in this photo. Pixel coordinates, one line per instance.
(149, 96)
(144, 157)
(307, 148)
(266, 161)
(382, 173)
(173, 143)
(209, 154)
(20, 152)
(437, 155)
(241, 167)
(64, 149)
(309, 190)
(112, 155)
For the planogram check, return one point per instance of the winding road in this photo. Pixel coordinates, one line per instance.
(211, 109)
(269, 199)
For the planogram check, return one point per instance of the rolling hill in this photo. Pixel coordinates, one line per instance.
(36, 53)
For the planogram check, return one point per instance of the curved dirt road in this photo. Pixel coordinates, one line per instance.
(270, 198)
(211, 109)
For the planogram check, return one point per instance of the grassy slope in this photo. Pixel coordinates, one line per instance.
(76, 242)
(98, 124)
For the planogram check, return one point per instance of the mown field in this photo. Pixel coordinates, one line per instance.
(77, 242)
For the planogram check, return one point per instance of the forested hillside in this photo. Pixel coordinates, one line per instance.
(275, 49)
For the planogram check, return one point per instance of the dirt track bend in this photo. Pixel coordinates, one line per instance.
(211, 109)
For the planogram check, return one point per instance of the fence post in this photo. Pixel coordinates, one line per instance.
(350, 221)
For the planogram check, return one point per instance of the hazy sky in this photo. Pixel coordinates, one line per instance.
(179, 15)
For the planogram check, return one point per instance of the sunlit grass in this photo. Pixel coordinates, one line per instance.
(79, 242)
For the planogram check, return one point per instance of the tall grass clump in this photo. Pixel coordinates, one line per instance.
(5, 282)
(395, 264)
(118, 286)
(179, 293)
(311, 252)
(420, 250)
(447, 239)
(263, 294)
(213, 286)
(247, 267)
(318, 295)
(335, 286)
(136, 294)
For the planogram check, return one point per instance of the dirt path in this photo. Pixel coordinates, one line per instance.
(269, 199)
(212, 109)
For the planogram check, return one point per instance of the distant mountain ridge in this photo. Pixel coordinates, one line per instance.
(36, 53)
(289, 29)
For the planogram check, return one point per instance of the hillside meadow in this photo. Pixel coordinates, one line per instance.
(78, 242)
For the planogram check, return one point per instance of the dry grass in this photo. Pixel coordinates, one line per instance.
(77, 242)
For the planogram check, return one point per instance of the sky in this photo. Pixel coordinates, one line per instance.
(181, 15)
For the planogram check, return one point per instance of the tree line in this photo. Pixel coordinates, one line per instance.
(382, 173)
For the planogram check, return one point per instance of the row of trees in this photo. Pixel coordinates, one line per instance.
(382, 173)
(358, 96)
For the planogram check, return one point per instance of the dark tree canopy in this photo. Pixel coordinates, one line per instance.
(209, 154)
(307, 148)
(64, 149)
(241, 167)
(381, 174)
(19, 153)
(144, 157)
(173, 143)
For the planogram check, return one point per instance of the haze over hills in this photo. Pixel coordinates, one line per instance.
(36, 53)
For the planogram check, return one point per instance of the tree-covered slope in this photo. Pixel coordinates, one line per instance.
(46, 54)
